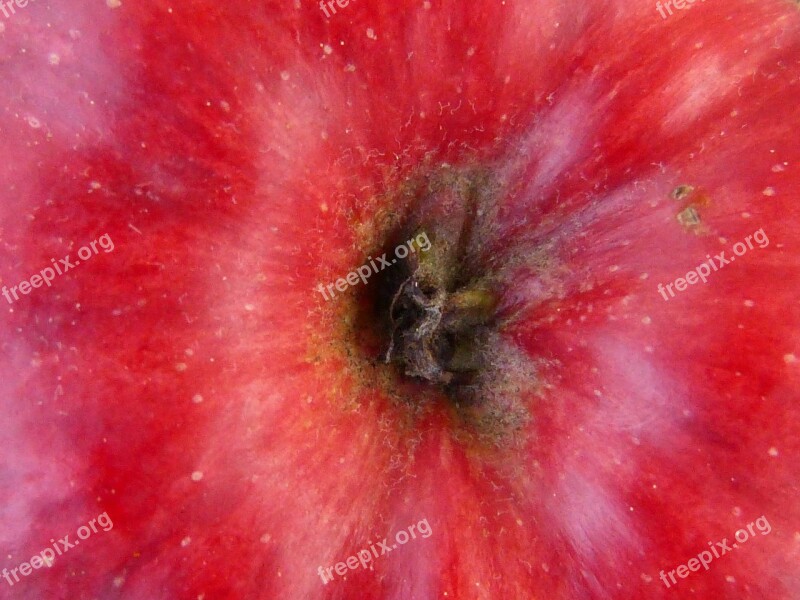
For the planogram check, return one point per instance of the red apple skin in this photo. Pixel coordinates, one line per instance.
(240, 154)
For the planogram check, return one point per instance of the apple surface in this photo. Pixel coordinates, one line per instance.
(222, 379)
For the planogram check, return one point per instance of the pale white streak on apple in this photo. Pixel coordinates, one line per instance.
(713, 264)
(47, 557)
(364, 557)
(631, 201)
(594, 517)
(48, 274)
(716, 550)
(635, 397)
(560, 139)
(59, 108)
(705, 84)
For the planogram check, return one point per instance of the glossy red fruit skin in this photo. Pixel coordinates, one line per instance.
(194, 386)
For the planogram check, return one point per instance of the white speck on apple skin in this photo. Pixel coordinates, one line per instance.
(773, 451)
(197, 475)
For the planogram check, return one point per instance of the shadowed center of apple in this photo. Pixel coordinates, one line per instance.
(437, 329)
(434, 307)
(430, 317)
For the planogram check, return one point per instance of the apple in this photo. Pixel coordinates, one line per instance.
(569, 395)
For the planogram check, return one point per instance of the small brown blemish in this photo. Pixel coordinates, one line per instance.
(692, 200)
(689, 217)
(680, 192)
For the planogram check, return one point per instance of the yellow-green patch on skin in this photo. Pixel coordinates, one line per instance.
(477, 303)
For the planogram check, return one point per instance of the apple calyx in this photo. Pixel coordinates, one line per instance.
(436, 318)
(442, 307)
(437, 334)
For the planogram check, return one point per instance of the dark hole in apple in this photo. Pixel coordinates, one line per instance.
(430, 323)
(432, 310)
